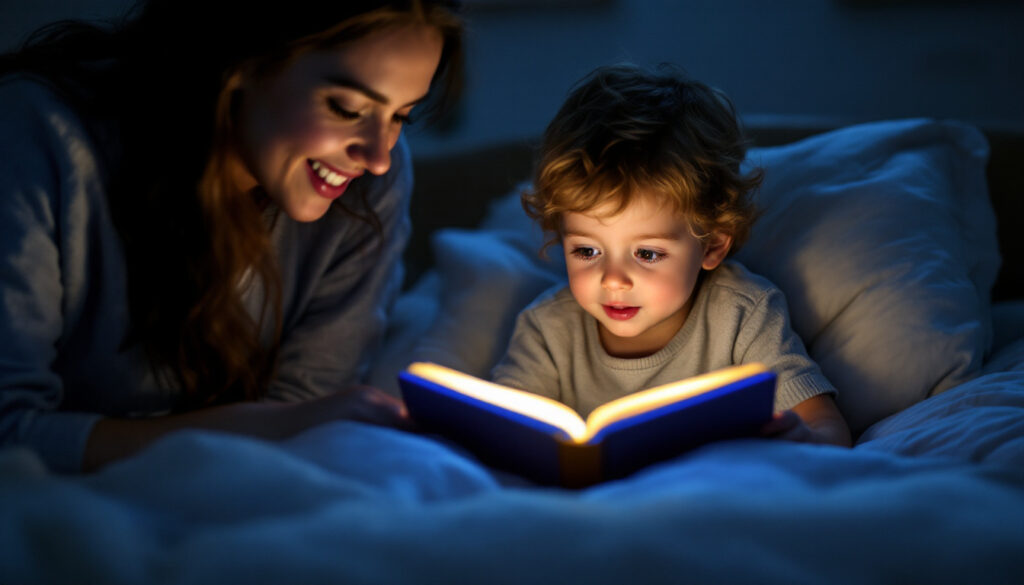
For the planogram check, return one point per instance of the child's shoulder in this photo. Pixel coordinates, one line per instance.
(733, 279)
(556, 298)
(555, 307)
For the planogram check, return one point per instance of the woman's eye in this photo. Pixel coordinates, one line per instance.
(405, 120)
(341, 112)
(585, 253)
(649, 256)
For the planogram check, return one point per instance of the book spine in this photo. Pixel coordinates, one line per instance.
(580, 465)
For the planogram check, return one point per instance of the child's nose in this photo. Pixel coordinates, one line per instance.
(616, 278)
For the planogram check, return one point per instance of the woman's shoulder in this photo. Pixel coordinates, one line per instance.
(20, 85)
(24, 94)
(33, 115)
(46, 150)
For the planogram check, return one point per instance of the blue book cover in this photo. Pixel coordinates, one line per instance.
(549, 443)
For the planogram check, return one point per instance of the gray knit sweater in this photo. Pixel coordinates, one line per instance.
(737, 317)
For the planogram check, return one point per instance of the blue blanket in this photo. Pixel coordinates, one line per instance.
(934, 494)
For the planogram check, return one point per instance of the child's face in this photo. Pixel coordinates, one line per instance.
(307, 131)
(636, 272)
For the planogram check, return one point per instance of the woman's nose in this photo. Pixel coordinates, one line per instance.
(372, 150)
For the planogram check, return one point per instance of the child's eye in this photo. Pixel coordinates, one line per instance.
(585, 253)
(649, 256)
(341, 112)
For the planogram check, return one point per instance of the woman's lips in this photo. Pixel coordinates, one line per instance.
(328, 181)
(620, 313)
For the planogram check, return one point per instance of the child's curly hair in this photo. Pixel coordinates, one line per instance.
(626, 132)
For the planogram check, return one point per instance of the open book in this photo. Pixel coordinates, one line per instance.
(548, 442)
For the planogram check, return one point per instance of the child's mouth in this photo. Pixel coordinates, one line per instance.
(620, 312)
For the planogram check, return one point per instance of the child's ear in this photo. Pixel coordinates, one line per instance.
(716, 248)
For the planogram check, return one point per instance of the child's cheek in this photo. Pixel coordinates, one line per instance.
(581, 286)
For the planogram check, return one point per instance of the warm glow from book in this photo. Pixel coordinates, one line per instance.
(559, 415)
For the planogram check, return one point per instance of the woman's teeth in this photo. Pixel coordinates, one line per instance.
(330, 177)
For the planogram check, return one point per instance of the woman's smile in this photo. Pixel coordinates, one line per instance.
(327, 180)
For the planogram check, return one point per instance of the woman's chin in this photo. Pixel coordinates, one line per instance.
(307, 211)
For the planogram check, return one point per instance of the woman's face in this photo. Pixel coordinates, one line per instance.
(310, 129)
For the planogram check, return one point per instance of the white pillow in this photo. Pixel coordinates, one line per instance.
(461, 312)
(409, 320)
(883, 239)
(487, 277)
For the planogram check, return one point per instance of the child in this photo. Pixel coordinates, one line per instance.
(639, 178)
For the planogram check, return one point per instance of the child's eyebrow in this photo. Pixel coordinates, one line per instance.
(672, 236)
(650, 236)
(661, 236)
(576, 233)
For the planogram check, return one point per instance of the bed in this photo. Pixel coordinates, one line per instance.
(898, 246)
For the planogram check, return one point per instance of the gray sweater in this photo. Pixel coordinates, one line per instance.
(737, 318)
(63, 303)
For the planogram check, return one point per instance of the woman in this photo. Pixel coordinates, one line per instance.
(202, 215)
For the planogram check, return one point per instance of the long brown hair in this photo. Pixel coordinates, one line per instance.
(163, 78)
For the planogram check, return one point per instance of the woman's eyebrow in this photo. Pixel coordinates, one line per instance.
(349, 83)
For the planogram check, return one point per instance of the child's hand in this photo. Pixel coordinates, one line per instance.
(788, 426)
(815, 420)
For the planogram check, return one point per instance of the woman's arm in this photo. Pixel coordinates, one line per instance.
(113, 439)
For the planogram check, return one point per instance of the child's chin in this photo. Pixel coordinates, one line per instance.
(621, 329)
